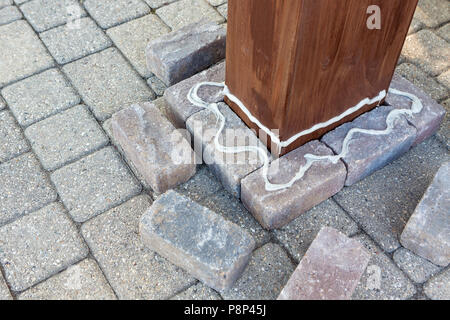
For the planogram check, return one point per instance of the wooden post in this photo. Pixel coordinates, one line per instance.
(295, 64)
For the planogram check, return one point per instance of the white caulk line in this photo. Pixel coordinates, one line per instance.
(310, 158)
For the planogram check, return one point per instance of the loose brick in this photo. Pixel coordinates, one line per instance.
(275, 209)
(428, 121)
(183, 53)
(330, 269)
(369, 153)
(158, 151)
(427, 232)
(193, 237)
(179, 106)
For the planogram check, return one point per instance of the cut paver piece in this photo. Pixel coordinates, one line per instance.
(427, 232)
(39, 245)
(9, 14)
(330, 269)
(196, 239)
(275, 209)
(369, 153)
(12, 141)
(183, 53)
(94, 184)
(179, 106)
(438, 288)
(418, 269)
(158, 151)
(82, 281)
(426, 122)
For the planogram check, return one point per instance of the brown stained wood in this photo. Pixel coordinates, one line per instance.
(296, 63)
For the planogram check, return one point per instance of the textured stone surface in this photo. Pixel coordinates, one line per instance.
(369, 153)
(155, 4)
(418, 269)
(223, 10)
(12, 141)
(17, 41)
(9, 14)
(438, 288)
(432, 12)
(2, 103)
(132, 270)
(298, 235)
(4, 291)
(427, 232)
(444, 32)
(179, 106)
(39, 97)
(158, 151)
(47, 241)
(67, 43)
(132, 37)
(65, 137)
(230, 169)
(198, 292)
(24, 188)
(330, 269)
(185, 12)
(426, 122)
(4, 3)
(83, 281)
(196, 239)
(157, 85)
(382, 280)
(268, 271)
(94, 184)
(107, 83)
(275, 209)
(200, 186)
(382, 203)
(109, 13)
(183, 53)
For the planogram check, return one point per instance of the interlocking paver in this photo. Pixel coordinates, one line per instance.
(265, 276)
(18, 41)
(107, 83)
(418, 269)
(155, 4)
(132, 38)
(438, 288)
(109, 13)
(46, 14)
(24, 187)
(197, 292)
(297, 236)
(382, 203)
(67, 43)
(65, 137)
(40, 96)
(216, 3)
(39, 245)
(382, 280)
(9, 14)
(444, 32)
(223, 10)
(184, 12)
(133, 271)
(4, 3)
(432, 12)
(82, 281)
(4, 291)
(94, 184)
(12, 141)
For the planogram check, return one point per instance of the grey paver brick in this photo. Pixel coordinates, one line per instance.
(275, 209)
(418, 269)
(4, 3)
(40, 96)
(382, 280)
(9, 14)
(444, 32)
(438, 288)
(107, 83)
(382, 203)
(432, 12)
(46, 14)
(157, 85)
(132, 38)
(265, 276)
(329, 270)
(4, 291)
(94, 184)
(197, 292)
(67, 43)
(200, 186)
(183, 53)
(82, 281)
(297, 236)
(109, 13)
(17, 41)
(65, 137)
(196, 239)
(12, 141)
(24, 188)
(39, 245)
(133, 271)
(154, 4)
(184, 12)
